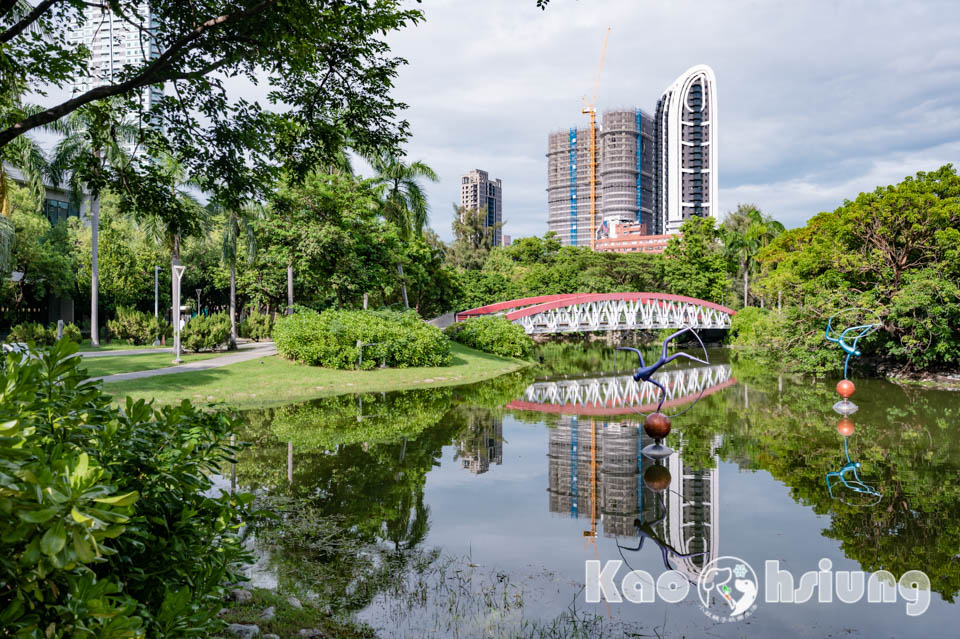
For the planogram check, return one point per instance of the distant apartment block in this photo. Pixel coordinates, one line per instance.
(625, 237)
(651, 170)
(507, 240)
(479, 192)
(115, 43)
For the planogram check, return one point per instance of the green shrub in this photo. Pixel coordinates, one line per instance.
(137, 327)
(205, 332)
(36, 333)
(71, 332)
(492, 334)
(330, 339)
(107, 523)
(31, 332)
(256, 326)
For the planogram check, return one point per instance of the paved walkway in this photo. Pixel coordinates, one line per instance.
(147, 351)
(255, 351)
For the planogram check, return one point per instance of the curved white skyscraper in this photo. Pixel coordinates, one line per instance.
(686, 121)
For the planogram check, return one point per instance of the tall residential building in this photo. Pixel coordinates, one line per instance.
(651, 170)
(687, 150)
(115, 43)
(478, 191)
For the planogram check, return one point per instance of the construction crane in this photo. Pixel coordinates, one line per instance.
(590, 108)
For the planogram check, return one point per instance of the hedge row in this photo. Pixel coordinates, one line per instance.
(492, 334)
(330, 338)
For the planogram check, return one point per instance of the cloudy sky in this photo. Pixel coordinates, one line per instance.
(817, 101)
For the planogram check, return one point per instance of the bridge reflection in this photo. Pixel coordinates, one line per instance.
(620, 395)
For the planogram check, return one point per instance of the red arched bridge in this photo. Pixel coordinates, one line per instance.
(606, 312)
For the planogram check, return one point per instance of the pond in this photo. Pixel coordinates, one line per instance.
(473, 511)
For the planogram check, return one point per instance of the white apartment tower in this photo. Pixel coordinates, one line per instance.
(115, 43)
(687, 150)
(479, 192)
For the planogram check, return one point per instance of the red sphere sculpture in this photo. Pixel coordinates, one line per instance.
(657, 478)
(845, 427)
(657, 425)
(845, 388)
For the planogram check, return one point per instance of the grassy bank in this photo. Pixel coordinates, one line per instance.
(272, 381)
(99, 366)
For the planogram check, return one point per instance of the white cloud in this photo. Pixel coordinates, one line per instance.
(817, 100)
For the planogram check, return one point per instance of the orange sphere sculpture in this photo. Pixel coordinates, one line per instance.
(657, 425)
(845, 388)
(657, 478)
(845, 427)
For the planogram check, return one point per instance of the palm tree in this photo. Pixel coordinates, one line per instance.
(403, 201)
(88, 135)
(236, 222)
(180, 218)
(748, 230)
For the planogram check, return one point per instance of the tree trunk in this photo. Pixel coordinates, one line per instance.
(233, 307)
(290, 289)
(746, 286)
(175, 289)
(94, 270)
(403, 285)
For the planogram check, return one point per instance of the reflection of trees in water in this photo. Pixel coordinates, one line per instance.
(353, 514)
(907, 442)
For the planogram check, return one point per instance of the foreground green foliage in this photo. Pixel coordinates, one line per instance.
(893, 251)
(106, 528)
(38, 334)
(330, 339)
(205, 332)
(492, 334)
(137, 327)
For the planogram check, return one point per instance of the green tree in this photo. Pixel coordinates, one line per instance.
(236, 223)
(694, 264)
(473, 239)
(746, 232)
(893, 251)
(402, 199)
(329, 230)
(93, 142)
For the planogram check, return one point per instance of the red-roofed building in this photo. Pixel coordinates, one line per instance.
(632, 238)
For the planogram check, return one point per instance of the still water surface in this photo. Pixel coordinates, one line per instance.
(472, 511)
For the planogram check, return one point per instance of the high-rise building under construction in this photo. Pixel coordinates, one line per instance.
(651, 170)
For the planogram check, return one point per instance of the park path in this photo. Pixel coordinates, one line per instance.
(262, 349)
(147, 351)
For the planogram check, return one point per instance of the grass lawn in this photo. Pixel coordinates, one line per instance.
(272, 381)
(115, 345)
(98, 366)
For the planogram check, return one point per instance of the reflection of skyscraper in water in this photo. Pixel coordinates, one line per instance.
(691, 522)
(617, 475)
(482, 444)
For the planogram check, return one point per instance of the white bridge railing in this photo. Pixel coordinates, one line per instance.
(616, 315)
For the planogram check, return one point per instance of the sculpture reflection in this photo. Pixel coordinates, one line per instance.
(848, 475)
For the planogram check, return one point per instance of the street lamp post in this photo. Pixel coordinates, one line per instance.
(156, 292)
(177, 275)
(198, 301)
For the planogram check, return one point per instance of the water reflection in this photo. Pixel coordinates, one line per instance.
(848, 476)
(403, 474)
(596, 470)
(620, 394)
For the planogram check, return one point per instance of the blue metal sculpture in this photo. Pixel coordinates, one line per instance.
(854, 333)
(644, 373)
(855, 484)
